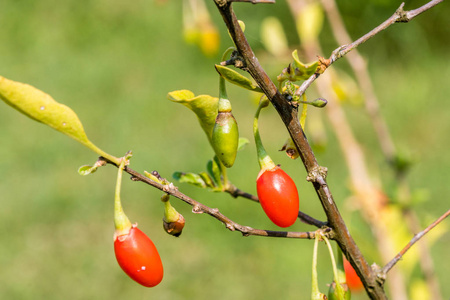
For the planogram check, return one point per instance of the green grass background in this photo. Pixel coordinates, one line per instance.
(113, 63)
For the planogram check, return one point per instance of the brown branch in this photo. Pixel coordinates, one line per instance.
(200, 208)
(290, 118)
(235, 192)
(385, 270)
(400, 16)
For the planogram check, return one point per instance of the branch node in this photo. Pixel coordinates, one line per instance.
(236, 60)
(381, 275)
(324, 63)
(221, 3)
(402, 15)
(134, 178)
(317, 174)
(245, 230)
(338, 53)
(169, 188)
(230, 226)
(196, 209)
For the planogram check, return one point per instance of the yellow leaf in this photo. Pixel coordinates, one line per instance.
(41, 107)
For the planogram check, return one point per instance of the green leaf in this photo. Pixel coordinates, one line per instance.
(190, 178)
(86, 170)
(237, 78)
(41, 107)
(303, 71)
(153, 177)
(214, 170)
(204, 107)
(207, 179)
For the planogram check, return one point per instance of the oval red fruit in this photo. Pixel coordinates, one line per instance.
(353, 280)
(278, 196)
(138, 257)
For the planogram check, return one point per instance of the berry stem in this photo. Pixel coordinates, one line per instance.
(314, 283)
(121, 221)
(265, 162)
(224, 103)
(223, 170)
(339, 289)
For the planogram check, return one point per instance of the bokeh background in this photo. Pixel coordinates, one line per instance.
(113, 63)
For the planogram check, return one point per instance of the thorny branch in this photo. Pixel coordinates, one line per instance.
(200, 208)
(290, 118)
(288, 115)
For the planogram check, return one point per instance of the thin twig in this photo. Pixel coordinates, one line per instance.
(385, 270)
(359, 67)
(200, 208)
(400, 16)
(425, 258)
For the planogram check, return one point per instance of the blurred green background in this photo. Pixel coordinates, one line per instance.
(113, 63)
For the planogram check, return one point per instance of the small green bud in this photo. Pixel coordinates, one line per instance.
(319, 102)
(236, 78)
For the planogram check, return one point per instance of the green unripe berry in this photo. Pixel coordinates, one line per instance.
(225, 137)
(334, 295)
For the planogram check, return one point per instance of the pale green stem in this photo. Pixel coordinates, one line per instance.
(339, 289)
(224, 103)
(223, 170)
(170, 213)
(121, 221)
(227, 52)
(314, 283)
(102, 153)
(265, 162)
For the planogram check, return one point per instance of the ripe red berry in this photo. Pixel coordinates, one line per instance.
(353, 280)
(278, 196)
(138, 257)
